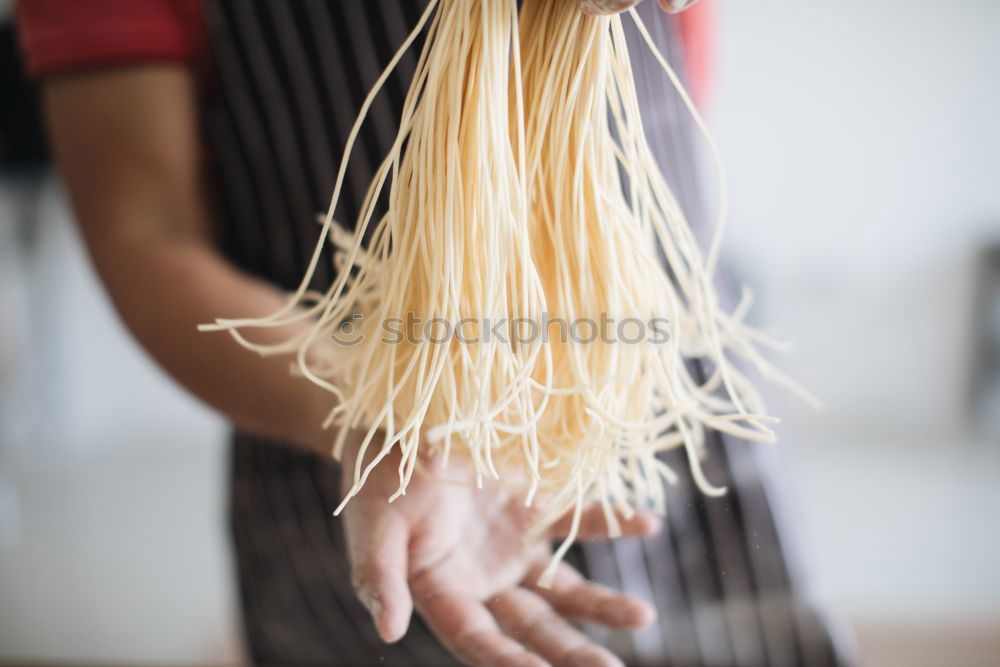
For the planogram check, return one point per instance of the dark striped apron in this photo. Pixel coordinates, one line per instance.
(291, 75)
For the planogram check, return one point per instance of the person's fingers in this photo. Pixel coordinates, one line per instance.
(594, 525)
(378, 553)
(604, 7)
(469, 631)
(574, 597)
(675, 6)
(530, 620)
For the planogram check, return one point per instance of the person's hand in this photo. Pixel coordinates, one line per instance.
(458, 555)
(602, 7)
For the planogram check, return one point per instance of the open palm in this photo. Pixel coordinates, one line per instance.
(459, 556)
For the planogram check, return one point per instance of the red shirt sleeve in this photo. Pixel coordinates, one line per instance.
(697, 31)
(59, 36)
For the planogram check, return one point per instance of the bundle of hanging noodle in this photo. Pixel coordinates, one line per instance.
(561, 292)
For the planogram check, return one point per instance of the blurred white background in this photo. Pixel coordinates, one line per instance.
(863, 145)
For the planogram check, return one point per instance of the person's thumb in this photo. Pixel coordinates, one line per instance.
(675, 6)
(604, 7)
(379, 575)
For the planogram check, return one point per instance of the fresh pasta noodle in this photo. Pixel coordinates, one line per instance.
(561, 291)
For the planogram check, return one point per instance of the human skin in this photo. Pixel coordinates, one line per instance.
(128, 148)
(604, 7)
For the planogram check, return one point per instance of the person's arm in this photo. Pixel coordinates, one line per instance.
(127, 144)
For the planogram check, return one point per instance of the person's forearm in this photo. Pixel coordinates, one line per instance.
(128, 146)
(164, 289)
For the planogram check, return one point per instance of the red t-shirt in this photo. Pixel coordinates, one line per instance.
(59, 36)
